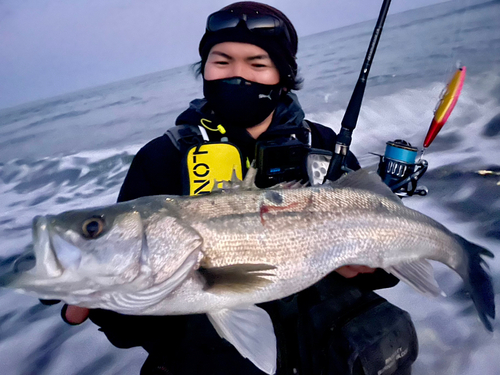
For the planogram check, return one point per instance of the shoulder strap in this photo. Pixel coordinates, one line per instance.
(185, 136)
(307, 126)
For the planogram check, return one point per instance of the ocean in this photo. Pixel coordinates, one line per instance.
(73, 151)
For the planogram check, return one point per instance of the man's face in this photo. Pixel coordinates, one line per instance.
(248, 61)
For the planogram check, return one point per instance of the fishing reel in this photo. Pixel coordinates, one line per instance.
(399, 169)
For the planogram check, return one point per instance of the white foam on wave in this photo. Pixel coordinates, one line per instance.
(19, 206)
(408, 113)
(399, 115)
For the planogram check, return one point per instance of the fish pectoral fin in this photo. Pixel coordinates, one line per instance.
(251, 332)
(364, 180)
(236, 277)
(419, 274)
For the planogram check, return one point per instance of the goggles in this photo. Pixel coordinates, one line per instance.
(265, 25)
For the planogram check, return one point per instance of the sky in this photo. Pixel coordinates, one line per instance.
(52, 47)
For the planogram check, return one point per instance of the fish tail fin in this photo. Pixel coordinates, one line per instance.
(478, 281)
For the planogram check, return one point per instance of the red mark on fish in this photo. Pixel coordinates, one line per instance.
(264, 209)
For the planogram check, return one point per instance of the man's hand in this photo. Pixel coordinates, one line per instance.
(74, 315)
(354, 270)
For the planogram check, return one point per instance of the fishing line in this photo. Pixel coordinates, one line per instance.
(455, 62)
(460, 9)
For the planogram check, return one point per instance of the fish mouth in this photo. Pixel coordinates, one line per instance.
(53, 254)
(46, 258)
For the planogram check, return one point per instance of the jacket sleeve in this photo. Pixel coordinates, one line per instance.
(155, 170)
(373, 281)
(150, 332)
(136, 182)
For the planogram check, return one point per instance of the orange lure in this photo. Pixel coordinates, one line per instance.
(446, 105)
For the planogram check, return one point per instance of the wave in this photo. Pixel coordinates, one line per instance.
(52, 185)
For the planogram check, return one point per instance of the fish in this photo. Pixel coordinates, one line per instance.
(221, 254)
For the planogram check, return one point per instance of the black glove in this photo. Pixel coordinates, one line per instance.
(49, 302)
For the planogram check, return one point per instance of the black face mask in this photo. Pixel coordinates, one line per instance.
(240, 102)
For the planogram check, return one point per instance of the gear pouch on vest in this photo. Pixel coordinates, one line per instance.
(209, 163)
(357, 333)
(382, 341)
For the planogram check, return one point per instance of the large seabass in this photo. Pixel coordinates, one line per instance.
(222, 253)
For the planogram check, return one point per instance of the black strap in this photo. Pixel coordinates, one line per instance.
(183, 137)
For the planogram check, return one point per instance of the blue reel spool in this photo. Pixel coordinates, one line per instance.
(398, 162)
(402, 152)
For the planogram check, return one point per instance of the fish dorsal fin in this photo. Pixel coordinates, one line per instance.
(418, 274)
(249, 180)
(235, 184)
(250, 330)
(364, 180)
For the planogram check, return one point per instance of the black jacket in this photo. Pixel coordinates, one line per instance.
(189, 344)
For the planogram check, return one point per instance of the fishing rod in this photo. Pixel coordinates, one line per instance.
(337, 165)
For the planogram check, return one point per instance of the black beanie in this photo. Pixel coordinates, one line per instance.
(281, 51)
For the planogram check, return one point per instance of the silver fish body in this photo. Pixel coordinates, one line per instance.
(222, 253)
(303, 234)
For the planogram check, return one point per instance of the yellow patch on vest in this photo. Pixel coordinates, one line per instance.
(212, 162)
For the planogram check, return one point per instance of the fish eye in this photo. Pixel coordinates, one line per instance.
(93, 227)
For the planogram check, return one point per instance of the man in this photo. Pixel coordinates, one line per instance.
(248, 64)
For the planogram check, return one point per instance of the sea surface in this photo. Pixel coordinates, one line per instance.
(73, 151)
